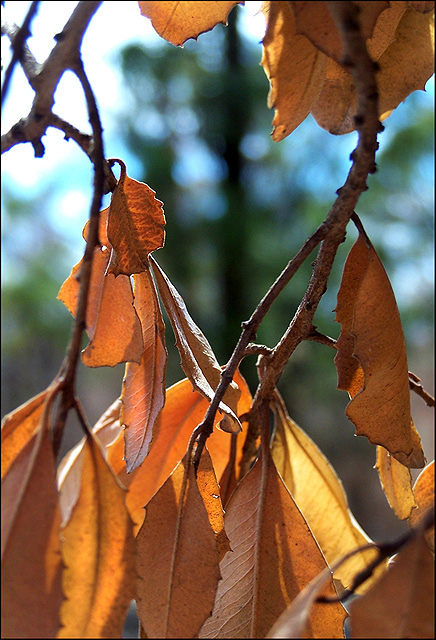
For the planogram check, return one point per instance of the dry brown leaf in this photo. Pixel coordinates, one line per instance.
(294, 67)
(396, 482)
(98, 553)
(31, 560)
(368, 313)
(274, 557)
(176, 547)
(320, 496)
(143, 394)
(18, 428)
(112, 324)
(423, 490)
(424, 6)
(401, 604)
(136, 225)
(197, 358)
(314, 20)
(179, 21)
(210, 492)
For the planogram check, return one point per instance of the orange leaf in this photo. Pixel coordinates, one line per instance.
(176, 546)
(143, 393)
(98, 553)
(314, 20)
(18, 428)
(401, 604)
(423, 490)
(396, 483)
(274, 557)
(135, 225)
(112, 324)
(371, 349)
(210, 492)
(31, 559)
(197, 358)
(179, 21)
(294, 67)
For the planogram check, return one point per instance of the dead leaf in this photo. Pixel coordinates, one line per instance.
(112, 324)
(179, 21)
(31, 559)
(320, 496)
(294, 67)
(176, 546)
(368, 313)
(136, 225)
(197, 358)
(210, 493)
(314, 20)
(401, 603)
(143, 394)
(274, 557)
(396, 483)
(18, 428)
(423, 490)
(98, 552)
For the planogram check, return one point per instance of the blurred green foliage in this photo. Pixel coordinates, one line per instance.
(238, 207)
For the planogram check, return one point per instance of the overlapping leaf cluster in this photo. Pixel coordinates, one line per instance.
(216, 552)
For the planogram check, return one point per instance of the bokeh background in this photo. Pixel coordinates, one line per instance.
(194, 124)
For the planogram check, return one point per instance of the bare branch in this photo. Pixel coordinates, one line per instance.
(415, 385)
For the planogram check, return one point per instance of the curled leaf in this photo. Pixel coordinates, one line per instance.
(396, 482)
(136, 225)
(371, 357)
(423, 490)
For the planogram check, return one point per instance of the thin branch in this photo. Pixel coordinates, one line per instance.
(69, 366)
(415, 385)
(18, 41)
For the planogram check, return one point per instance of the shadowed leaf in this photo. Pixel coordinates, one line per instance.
(176, 546)
(423, 490)
(371, 358)
(179, 21)
(274, 556)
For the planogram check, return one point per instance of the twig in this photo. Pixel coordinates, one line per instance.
(415, 385)
(18, 41)
(69, 366)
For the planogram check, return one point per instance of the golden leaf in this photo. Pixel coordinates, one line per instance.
(396, 482)
(371, 349)
(179, 21)
(136, 225)
(176, 546)
(320, 496)
(98, 553)
(423, 490)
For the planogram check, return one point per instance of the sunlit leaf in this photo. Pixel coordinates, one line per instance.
(396, 482)
(210, 493)
(197, 358)
(179, 21)
(274, 556)
(294, 67)
(371, 359)
(112, 324)
(31, 559)
(319, 495)
(98, 553)
(177, 560)
(143, 393)
(136, 225)
(401, 603)
(423, 490)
